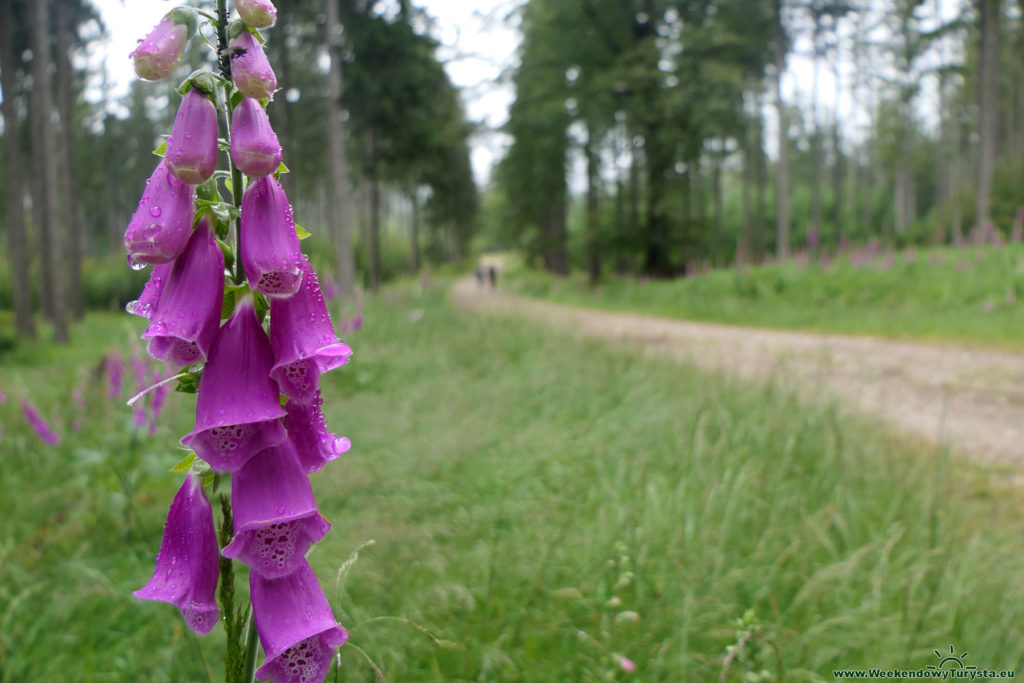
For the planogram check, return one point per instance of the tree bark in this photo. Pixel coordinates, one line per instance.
(340, 195)
(71, 214)
(593, 219)
(837, 160)
(414, 233)
(781, 169)
(21, 286)
(816, 163)
(988, 107)
(43, 147)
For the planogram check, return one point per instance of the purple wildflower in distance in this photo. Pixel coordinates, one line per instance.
(187, 316)
(270, 249)
(114, 367)
(250, 68)
(254, 146)
(40, 425)
(307, 428)
(238, 411)
(303, 339)
(3, 398)
(188, 562)
(296, 627)
(257, 13)
(161, 51)
(275, 515)
(192, 146)
(162, 223)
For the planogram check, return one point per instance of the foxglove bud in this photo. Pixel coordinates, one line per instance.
(161, 51)
(270, 249)
(250, 68)
(257, 13)
(303, 339)
(238, 411)
(192, 147)
(295, 625)
(187, 315)
(254, 146)
(162, 224)
(275, 515)
(187, 565)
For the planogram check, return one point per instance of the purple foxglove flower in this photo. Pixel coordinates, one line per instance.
(187, 315)
(307, 429)
(187, 565)
(257, 13)
(161, 51)
(250, 68)
(3, 398)
(276, 518)
(238, 408)
(254, 146)
(156, 406)
(40, 425)
(114, 367)
(145, 305)
(270, 249)
(303, 339)
(192, 147)
(296, 627)
(162, 223)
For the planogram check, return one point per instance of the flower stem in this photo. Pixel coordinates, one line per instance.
(224, 61)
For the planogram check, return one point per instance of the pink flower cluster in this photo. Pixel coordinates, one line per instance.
(243, 427)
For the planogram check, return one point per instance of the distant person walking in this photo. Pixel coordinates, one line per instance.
(492, 275)
(480, 275)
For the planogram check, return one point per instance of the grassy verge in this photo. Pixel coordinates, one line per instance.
(961, 295)
(539, 506)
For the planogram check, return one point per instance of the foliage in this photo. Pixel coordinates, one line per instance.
(644, 517)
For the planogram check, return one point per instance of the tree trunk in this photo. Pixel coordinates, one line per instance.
(374, 245)
(743, 249)
(340, 195)
(781, 170)
(21, 286)
(71, 216)
(414, 233)
(814, 232)
(760, 178)
(280, 112)
(988, 107)
(717, 208)
(837, 157)
(593, 218)
(43, 147)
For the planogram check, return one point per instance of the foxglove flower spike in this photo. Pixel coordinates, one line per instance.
(254, 146)
(192, 147)
(270, 249)
(250, 68)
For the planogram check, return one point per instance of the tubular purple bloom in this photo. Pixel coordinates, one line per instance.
(257, 13)
(162, 223)
(303, 339)
(254, 146)
(161, 51)
(296, 627)
(270, 249)
(188, 562)
(192, 146)
(238, 409)
(307, 428)
(276, 518)
(187, 316)
(250, 68)
(40, 425)
(145, 305)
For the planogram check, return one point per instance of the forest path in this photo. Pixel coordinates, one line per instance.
(971, 399)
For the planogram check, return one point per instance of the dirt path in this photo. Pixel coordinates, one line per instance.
(971, 399)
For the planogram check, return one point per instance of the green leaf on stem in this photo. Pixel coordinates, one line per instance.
(281, 170)
(161, 150)
(301, 232)
(184, 464)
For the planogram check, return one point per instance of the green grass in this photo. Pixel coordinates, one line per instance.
(970, 295)
(537, 504)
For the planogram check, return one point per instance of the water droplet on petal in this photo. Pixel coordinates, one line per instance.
(155, 212)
